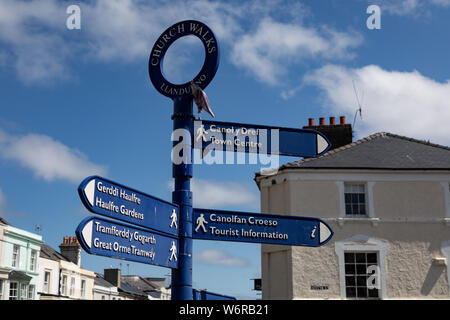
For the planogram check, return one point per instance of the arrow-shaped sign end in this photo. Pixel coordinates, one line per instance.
(89, 191)
(325, 233)
(322, 144)
(87, 234)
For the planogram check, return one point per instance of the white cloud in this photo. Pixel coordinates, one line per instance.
(410, 7)
(271, 50)
(208, 194)
(406, 103)
(221, 258)
(213, 194)
(47, 158)
(42, 49)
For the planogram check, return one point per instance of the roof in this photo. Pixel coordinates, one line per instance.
(3, 221)
(100, 281)
(48, 252)
(381, 150)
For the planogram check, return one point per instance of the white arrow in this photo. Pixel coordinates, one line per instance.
(322, 144)
(89, 191)
(324, 231)
(87, 234)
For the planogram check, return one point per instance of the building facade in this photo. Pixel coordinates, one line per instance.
(61, 276)
(387, 199)
(19, 265)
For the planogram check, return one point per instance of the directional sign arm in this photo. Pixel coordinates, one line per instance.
(113, 200)
(251, 138)
(116, 240)
(260, 228)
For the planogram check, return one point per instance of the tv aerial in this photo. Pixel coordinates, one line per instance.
(359, 103)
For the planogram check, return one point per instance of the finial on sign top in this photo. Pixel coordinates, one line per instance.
(162, 44)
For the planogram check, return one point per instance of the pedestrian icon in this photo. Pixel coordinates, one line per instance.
(201, 133)
(201, 223)
(173, 249)
(174, 219)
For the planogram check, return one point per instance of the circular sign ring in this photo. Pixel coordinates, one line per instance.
(169, 36)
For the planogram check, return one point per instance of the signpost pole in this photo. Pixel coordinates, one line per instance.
(182, 196)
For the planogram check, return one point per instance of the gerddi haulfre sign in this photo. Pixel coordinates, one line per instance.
(116, 240)
(253, 138)
(113, 200)
(238, 226)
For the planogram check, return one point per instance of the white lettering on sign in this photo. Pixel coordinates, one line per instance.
(217, 230)
(126, 234)
(118, 193)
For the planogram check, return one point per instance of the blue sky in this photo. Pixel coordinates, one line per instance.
(79, 102)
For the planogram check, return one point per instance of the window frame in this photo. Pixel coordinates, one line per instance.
(15, 262)
(362, 243)
(83, 288)
(46, 285)
(31, 291)
(64, 279)
(33, 260)
(23, 291)
(72, 286)
(357, 274)
(357, 203)
(16, 283)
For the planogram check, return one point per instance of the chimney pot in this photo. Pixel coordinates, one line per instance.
(342, 119)
(321, 121)
(332, 121)
(311, 122)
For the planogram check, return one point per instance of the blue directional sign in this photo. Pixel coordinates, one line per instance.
(114, 200)
(250, 138)
(260, 228)
(116, 240)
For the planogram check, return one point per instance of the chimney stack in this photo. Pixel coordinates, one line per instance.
(113, 276)
(338, 134)
(71, 249)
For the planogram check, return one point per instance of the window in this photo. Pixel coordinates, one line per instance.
(16, 256)
(355, 199)
(83, 288)
(47, 282)
(23, 291)
(13, 290)
(72, 286)
(1, 289)
(33, 260)
(64, 286)
(357, 275)
(31, 292)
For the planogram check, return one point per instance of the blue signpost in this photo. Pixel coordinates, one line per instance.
(166, 230)
(113, 200)
(183, 119)
(251, 138)
(260, 228)
(116, 240)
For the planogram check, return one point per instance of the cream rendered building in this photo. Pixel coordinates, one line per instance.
(387, 199)
(61, 276)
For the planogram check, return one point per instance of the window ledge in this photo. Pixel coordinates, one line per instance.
(374, 221)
